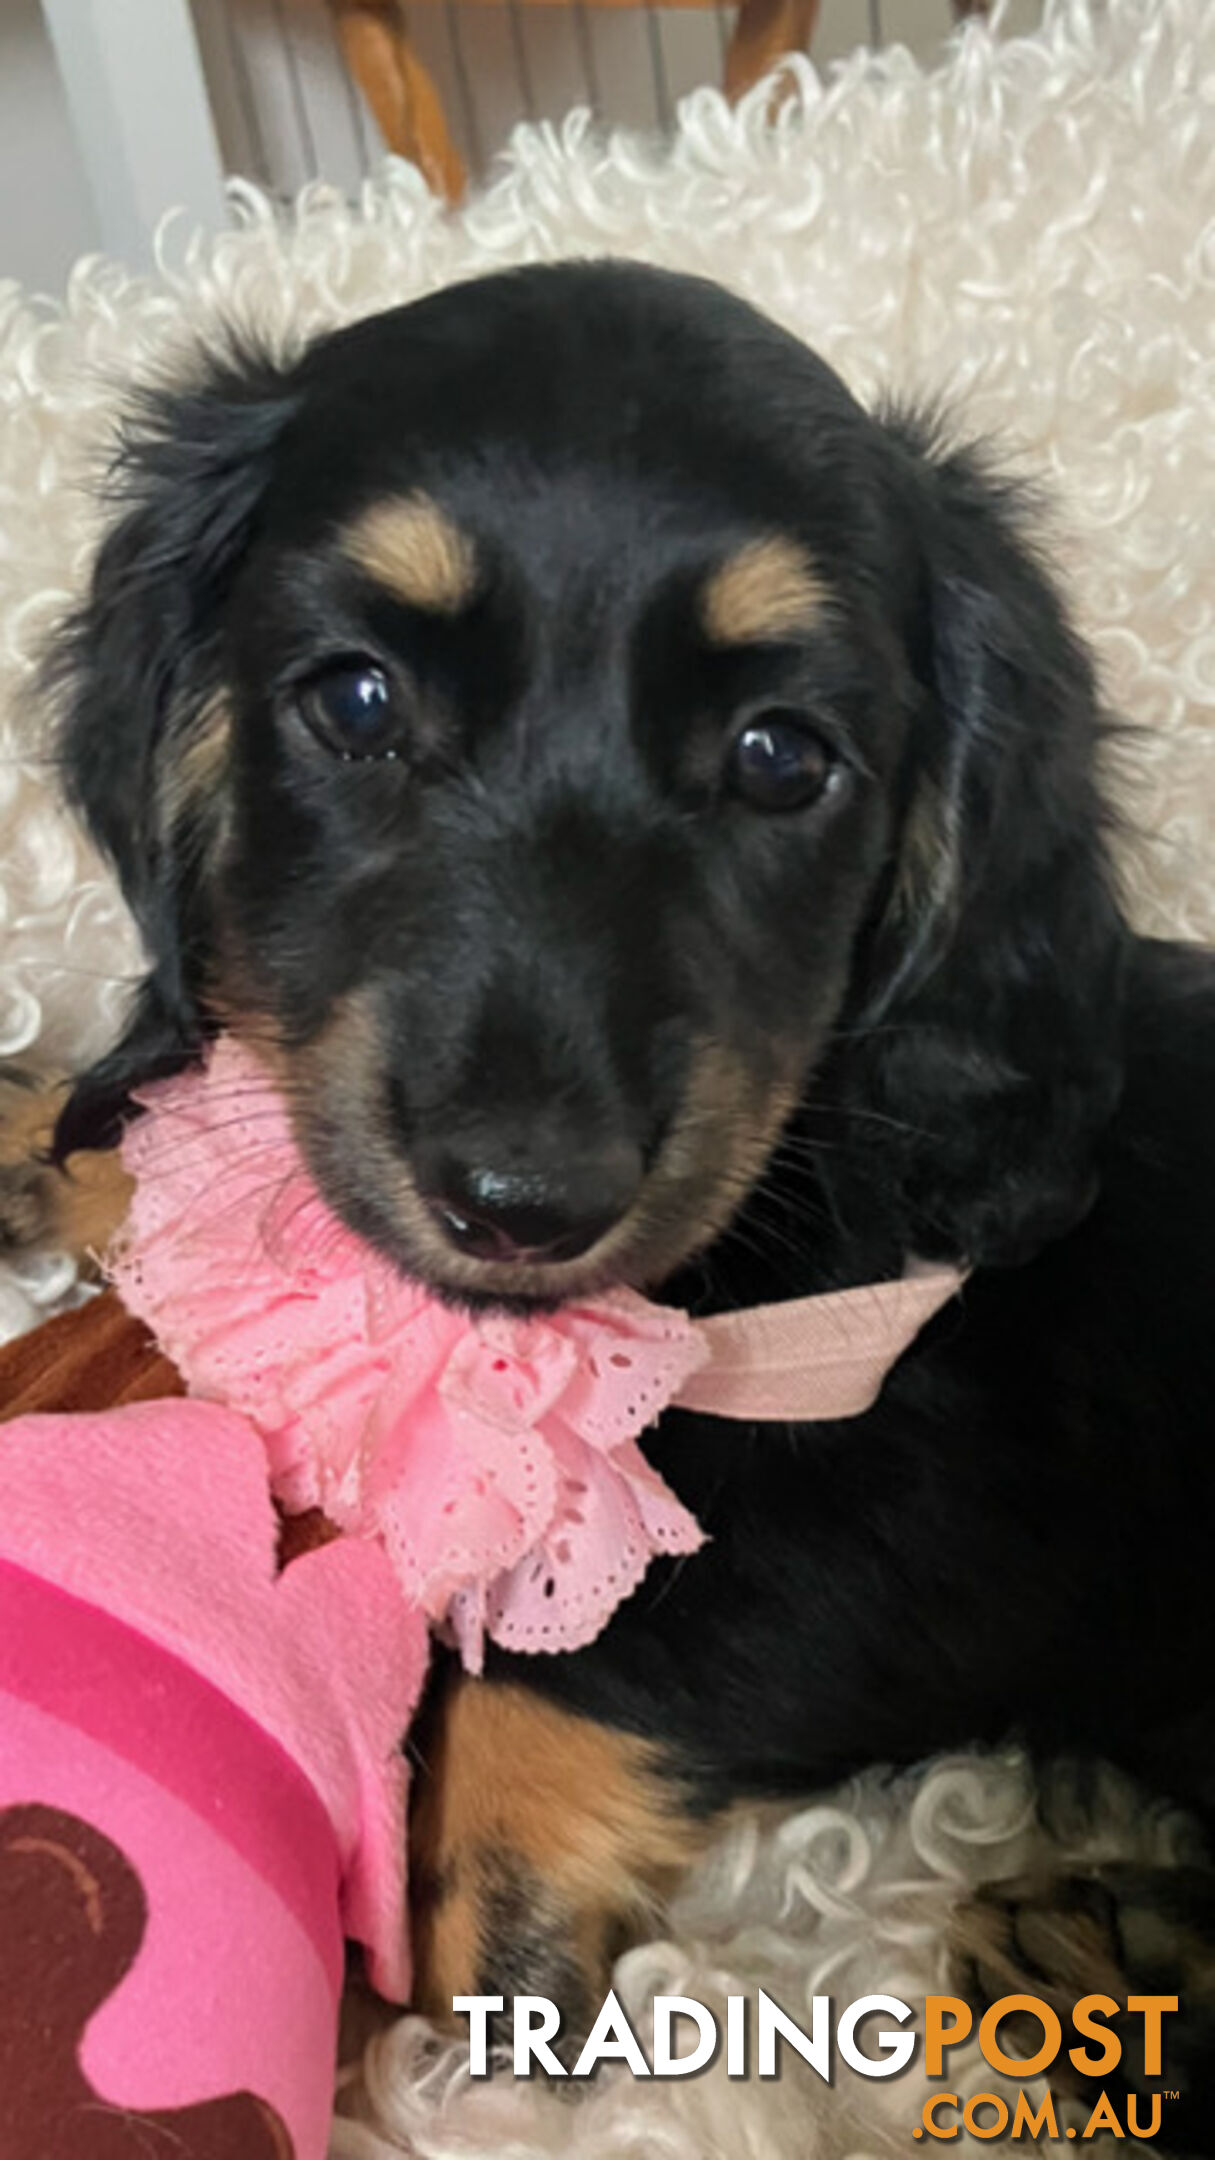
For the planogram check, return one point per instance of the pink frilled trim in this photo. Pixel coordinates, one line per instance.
(495, 1460)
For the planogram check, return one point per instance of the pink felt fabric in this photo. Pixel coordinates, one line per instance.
(227, 1992)
(159, 1516)
(144, 1706)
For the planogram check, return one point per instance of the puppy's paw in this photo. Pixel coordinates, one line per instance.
(542, 1845)
(43, 1208)
(27, 1208)
(1052, 1936)
(1120, 1931)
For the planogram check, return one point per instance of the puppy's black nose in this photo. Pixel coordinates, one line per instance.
(533, 1213)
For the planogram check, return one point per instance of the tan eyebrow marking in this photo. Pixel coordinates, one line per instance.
(413, 548)
(769, 588)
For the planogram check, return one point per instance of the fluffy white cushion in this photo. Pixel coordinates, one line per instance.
(1026, 232)
(849, 1897)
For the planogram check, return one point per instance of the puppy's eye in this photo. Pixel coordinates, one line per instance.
(354, 710)
(779, 761)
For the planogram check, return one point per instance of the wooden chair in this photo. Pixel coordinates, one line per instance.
(409, 112)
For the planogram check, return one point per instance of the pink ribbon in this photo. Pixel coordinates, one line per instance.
(814, 1358)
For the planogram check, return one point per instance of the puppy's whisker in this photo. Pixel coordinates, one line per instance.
(764, 1240)
(238, 1120)
(857, 1113)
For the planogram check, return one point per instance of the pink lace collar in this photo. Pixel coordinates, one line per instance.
(495, 1459)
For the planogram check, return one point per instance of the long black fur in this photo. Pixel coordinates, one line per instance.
(1015, 1541)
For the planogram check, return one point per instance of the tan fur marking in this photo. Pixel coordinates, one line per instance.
(1014, 1948)
(193, 773)
(78, 1209)
(413, 548)
(446, 1936)
(716, 1148)
(769, 589)
(512, 1782)
(928, 855)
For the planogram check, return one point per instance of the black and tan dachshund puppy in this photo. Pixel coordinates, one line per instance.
(648, 811)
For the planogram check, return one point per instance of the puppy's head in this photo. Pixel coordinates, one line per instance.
(569, 738)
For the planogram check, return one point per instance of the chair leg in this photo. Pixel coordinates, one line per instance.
(400, 92)
(764, 32)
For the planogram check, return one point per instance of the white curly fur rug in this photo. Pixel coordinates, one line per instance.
(1030, 231)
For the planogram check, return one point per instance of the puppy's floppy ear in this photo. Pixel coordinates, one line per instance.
(137, 671)
(987, 1006)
